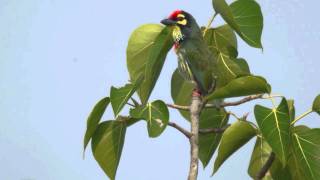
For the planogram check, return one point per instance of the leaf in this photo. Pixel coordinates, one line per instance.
(120, 96)
(146, 52)
(227, 70)
(245, 17)
(259, 157)
(208, 143)
(223, 44)
(181, 92)
(316, 105)
(235, 136)
(93, 120)
(129, 121)
(242, 86)
(107, 143)
(278, 172)
(274, 125)
(156, 114)
(222, 40)
(242, 63)
(306, 146)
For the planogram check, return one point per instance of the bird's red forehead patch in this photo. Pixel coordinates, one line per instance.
(175, 13)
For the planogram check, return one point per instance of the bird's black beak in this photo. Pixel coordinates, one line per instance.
(168, 22)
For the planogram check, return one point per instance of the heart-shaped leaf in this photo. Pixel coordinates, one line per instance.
(120, 96)
(237, 135)
(93, 119)
(306, 146)
(181, 92)
(242, 86)
(146, 52)
(278, 172)
(227, 70)
(208, 143)
(245, 17)
(259, 157)
(275, 127)
(107, 143)
(156, 114)
(316, 105)
(222, 40)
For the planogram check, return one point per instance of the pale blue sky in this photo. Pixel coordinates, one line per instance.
(57, 58)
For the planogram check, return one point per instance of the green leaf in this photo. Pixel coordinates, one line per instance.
(306, 146)
(93, 120)
(107, 143)
(259, 157)
(181, 92)
(235, 136)
(222, 40)
(245, 17)
(316, 105)
(242, 63)
(278, 172)
(208, 143)
(120, 96)
(242, 86)
(275, 127)
(129, 121)
(146, 52)
(156, 114)
(227, 70)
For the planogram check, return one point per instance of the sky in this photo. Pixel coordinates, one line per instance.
(58, 58)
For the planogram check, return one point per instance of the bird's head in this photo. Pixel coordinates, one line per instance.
(183, 24)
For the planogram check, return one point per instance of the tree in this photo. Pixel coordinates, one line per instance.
(282, 150)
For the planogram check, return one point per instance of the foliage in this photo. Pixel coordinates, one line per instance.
(296, 148)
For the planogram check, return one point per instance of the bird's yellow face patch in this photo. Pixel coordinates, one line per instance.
(177, 34)
(181, 19)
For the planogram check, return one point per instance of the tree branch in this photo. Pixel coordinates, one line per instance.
(181, 129)
(213, 130)
(223, 104)
(265, 167)
(179, 107)
(195, 110)
(236, 103)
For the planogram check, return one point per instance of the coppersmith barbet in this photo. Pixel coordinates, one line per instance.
(196, 62)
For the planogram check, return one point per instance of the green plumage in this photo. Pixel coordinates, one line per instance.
(195, 61)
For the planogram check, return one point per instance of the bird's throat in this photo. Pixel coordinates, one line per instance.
(177, 36)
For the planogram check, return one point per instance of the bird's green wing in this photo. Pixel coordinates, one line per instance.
(201, 63)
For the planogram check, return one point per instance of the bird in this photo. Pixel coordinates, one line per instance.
(196, 63)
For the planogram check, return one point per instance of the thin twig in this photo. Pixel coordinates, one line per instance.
(265, 167)
(179, 107)
(236, 103)
(181, 129)
(223, 104)
(213, 130)
(132, 105)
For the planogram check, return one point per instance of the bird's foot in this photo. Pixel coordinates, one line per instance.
(196, 93)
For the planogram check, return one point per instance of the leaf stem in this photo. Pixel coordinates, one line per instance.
(209, 23)
(301, 116)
